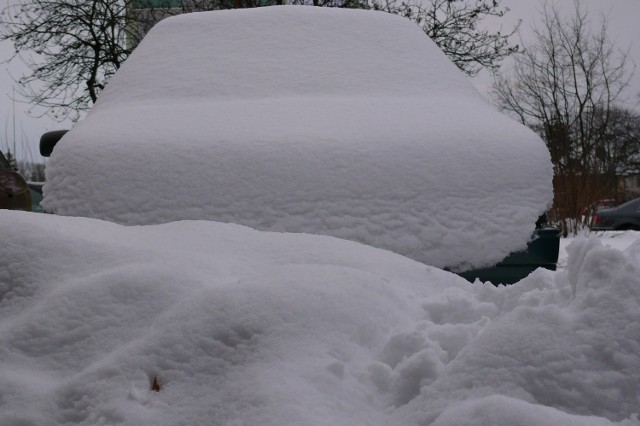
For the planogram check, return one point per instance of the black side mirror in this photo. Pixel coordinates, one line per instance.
(49, 140)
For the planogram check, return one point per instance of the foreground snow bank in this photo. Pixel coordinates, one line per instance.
(346, 123)
(246, 327)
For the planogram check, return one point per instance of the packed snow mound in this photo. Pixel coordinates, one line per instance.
(346, 123)
(243, 327)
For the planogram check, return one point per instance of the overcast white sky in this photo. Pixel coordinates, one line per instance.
(623, 29)
(623, 16)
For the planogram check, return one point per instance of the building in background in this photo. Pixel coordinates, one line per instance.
(144, 14)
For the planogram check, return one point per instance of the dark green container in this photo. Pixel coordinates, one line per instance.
(541, 252)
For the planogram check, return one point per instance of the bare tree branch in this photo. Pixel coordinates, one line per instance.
(73, 47)
(454, 25)
(566, 85)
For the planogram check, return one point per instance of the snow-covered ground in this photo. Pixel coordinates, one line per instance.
(619, 240)
(245, 327)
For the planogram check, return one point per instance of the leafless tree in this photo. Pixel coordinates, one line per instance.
(566, 85)
(617, 151)
(73, 47)
(454, 25)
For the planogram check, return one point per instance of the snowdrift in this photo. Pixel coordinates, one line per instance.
(345, 123)
(242, 327)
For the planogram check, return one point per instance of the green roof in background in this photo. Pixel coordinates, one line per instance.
(156, 4)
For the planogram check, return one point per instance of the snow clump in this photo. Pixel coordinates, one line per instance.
(237, 326)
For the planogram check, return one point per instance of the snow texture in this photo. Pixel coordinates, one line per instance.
(244, 327)
(345, 123)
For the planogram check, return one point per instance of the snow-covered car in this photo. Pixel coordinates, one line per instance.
(14, 192)
(623, 217)
(346, 123)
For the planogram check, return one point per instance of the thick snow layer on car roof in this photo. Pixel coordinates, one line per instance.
(338, 122)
